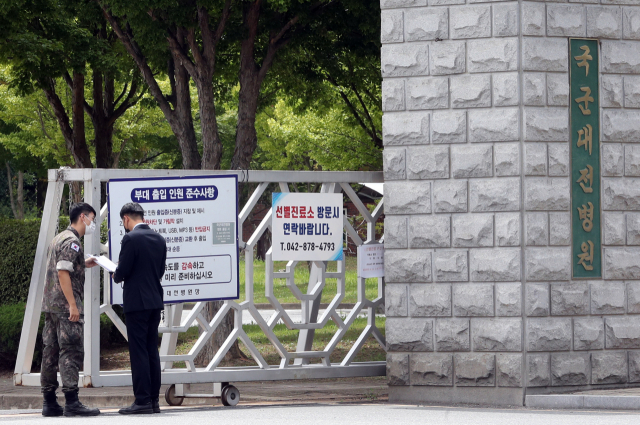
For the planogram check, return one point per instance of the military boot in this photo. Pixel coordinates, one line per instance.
(73, 407)
(50, 406)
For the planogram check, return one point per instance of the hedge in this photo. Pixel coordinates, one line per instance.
(11, 319)
(18, 242)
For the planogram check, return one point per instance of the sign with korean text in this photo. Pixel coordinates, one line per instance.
(585, 158)
(307, 226)
(371, 260)
(198, 217)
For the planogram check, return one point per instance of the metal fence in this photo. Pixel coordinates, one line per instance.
(293, 365)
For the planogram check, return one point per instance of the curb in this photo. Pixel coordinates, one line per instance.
(34, 401)
(576, 401)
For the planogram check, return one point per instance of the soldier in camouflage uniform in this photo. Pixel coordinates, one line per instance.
(62, 335)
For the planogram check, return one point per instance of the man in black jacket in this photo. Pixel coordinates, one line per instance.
(141, 266)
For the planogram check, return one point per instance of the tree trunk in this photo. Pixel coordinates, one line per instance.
(183, 128)
(246, 136)
(211, 143)
(100, 117)
(80, 150)
(263, 245)
(219, 337)
(74, 137)
(76, 193)
(41, 192)
(10, 182)
(20, 200)
(179, 118)
(251, 77)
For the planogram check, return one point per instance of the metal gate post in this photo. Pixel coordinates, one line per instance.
(31, 321)
(172, 317)
(92, 287)
(305, 338)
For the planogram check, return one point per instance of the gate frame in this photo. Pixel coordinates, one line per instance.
(91, 376)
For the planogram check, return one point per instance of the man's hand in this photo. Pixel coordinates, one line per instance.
(67, 290)
(90, 262)
(74, 314)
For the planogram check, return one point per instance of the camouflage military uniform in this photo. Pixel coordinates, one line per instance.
(62, 339)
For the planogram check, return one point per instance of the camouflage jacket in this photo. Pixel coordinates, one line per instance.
(65, 253)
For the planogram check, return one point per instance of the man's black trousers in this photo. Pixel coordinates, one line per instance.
(142, 330)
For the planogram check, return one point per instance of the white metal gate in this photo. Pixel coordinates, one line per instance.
(293, 365)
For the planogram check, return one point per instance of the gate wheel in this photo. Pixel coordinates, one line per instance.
(171, 398)
(230, 396)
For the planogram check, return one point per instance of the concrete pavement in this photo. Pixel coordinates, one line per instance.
(344, 413)
(351, 390)
(317, 390)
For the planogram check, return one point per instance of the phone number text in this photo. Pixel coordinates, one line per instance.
(307, 246)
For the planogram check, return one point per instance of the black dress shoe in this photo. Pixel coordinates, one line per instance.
(156, 406)
(137, 409)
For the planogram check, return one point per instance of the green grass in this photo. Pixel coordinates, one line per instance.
(371, 351)
(301, 276)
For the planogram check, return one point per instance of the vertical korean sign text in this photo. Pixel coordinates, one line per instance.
(198, 217)
(585, 158)
(307, 226)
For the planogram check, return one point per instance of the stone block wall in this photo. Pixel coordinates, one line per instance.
(477, 198)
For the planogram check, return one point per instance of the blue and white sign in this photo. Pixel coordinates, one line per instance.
(198, 217)
(307, 226)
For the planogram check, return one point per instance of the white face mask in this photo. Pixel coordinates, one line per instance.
(89, 228)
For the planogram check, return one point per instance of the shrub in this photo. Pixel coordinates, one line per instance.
(109, 334)
(11, 318)
(18, 241)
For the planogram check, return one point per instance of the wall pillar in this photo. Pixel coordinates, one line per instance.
(480, 299)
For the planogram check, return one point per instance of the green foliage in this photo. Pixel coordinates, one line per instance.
(18, 240)
(314, 139)
(11, 319)
(142, 138)
(320, 101)
(109, 334)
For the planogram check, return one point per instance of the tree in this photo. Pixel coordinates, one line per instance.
(33, 140)
(50, 44)
(338, 60)
(323, 138)
(22, 169)
(187, 33)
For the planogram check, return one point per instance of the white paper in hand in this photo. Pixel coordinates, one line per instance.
(105, 263)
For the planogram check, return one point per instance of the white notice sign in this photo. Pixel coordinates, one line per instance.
(198, 217)
(307, 226)
(371, 260)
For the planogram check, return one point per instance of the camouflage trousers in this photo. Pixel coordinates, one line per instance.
(63, 349)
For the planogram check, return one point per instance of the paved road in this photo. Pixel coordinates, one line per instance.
(349, 414)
